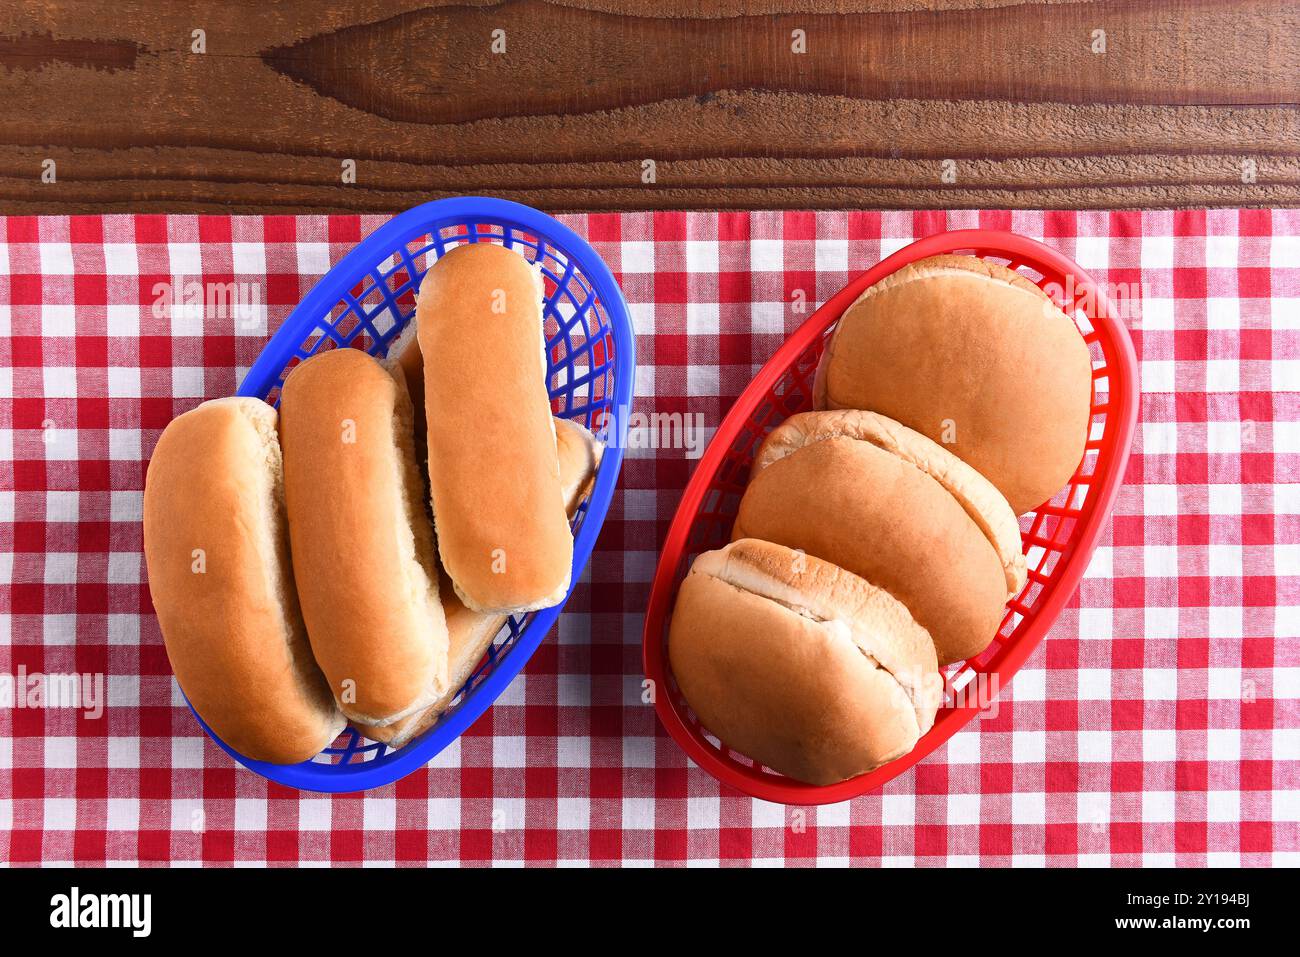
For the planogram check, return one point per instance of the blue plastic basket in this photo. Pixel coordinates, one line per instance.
(367, 299)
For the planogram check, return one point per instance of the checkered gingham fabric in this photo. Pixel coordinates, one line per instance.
(1158, 723)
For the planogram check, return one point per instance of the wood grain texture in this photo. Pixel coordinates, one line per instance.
(1188, 95)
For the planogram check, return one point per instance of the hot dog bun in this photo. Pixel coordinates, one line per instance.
(503, 536)
(218, 557)
(363, 551)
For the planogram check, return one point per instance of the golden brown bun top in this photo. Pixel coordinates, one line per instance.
(880, 517)
(800, 665)
(231, 623)
(976, 494)
(967, 350)
(363, 551)
(937, 265)
(877, 622)
(493, 469)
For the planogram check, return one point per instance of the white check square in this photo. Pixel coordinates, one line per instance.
(56, 259)
(120, 259)
(1158, 807)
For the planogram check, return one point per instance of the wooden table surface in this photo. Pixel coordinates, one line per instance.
(110, 105)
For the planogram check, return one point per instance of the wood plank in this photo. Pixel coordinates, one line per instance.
(1194, 103)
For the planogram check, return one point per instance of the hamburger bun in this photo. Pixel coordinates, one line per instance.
(802, 666)
(469, 633)
(362, 545)
(503, 536)
(889, 505)
(972, 355)
(217, 552)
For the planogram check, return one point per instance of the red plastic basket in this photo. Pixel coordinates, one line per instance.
(1058, 538)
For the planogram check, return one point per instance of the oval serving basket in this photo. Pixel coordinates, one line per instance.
(1058, 538)
(365, 301)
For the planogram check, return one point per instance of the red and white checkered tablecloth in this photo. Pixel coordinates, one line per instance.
(1158, 724)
